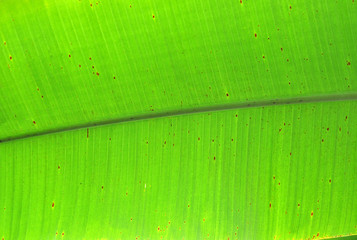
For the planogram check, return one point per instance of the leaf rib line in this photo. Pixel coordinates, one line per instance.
(203, 109)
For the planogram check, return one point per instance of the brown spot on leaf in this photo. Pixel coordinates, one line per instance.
(270, 205)
(53, 204)
(255, 35)
(10, 57)
(327, 129)
(69, 55)
(97, 73)
(348, 63)
(34, 122)
(312, 213)
(79, 65)
(329, 181)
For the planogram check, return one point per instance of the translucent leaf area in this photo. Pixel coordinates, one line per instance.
(178, 119)
(65, 63)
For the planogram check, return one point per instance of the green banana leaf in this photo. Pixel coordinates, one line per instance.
(178, 119)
